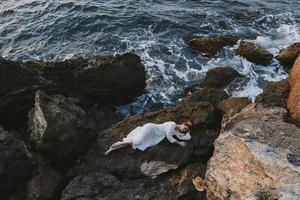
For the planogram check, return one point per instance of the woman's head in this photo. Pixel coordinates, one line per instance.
(185, 127)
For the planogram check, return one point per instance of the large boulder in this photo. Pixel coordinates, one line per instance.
(104, 80)
(210, 46)
(59, 130)
(288, 55)
(129, 170)
(254, 53)
(220, 77)
(293, 103)
(256, 156)
(43, 184)
(18, 86)
(127, 163)
(15, 164)
(110, 80)
(275, 94)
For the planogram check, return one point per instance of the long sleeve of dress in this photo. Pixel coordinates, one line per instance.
(170, 135)
(182, 136)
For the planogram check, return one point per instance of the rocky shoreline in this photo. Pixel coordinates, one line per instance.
(51, 147)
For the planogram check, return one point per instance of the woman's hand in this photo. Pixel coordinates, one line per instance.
(181, 143)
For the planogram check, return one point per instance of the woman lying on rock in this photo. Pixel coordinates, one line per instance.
(151, 134)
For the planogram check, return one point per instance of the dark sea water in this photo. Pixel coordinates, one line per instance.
(153, 29)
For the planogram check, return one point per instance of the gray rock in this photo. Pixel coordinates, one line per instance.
(89, 186)
(110, 80)
(59, 130)
(15, 164)
(154, 168)
(43, 184)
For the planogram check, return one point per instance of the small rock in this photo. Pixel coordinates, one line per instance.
(234, 105)
(275, 94)
(220, 77)
(210, 46)
(254, 53)
(154, 168)
(211, 95)
(288, 55)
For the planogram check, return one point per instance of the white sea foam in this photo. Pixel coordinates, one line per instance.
(168, 77)
(54, 30)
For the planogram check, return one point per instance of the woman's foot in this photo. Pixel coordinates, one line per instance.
(108, 151)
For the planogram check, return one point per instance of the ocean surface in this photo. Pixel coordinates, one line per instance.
(153, 29)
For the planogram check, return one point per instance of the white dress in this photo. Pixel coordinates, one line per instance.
(151, 134)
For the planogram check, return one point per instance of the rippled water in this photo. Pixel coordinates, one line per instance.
(154, 29)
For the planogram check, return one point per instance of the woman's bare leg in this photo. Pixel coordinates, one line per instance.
(125, 142)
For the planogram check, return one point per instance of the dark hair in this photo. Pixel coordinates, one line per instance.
(188, 124)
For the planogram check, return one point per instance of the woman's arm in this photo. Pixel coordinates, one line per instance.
(170, 136)
(181, 143)
(182, 136)
(172, 139)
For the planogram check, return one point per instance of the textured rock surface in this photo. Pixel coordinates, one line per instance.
(100, 185)
(153, 168)
(288, 55)
(111, 80)
(182, 181)
(18, 86)
(256, 154)
(125, 168)
(219, 77)
(43, 184)
(275, 94)
(232, 106)
(211, 95)
(254, 53)
(106, 80)
(59, 130)
(15, 164)
(294, 96)
(210, 46)
(127, 163)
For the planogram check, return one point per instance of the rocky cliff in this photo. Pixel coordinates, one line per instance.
(55, 150)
